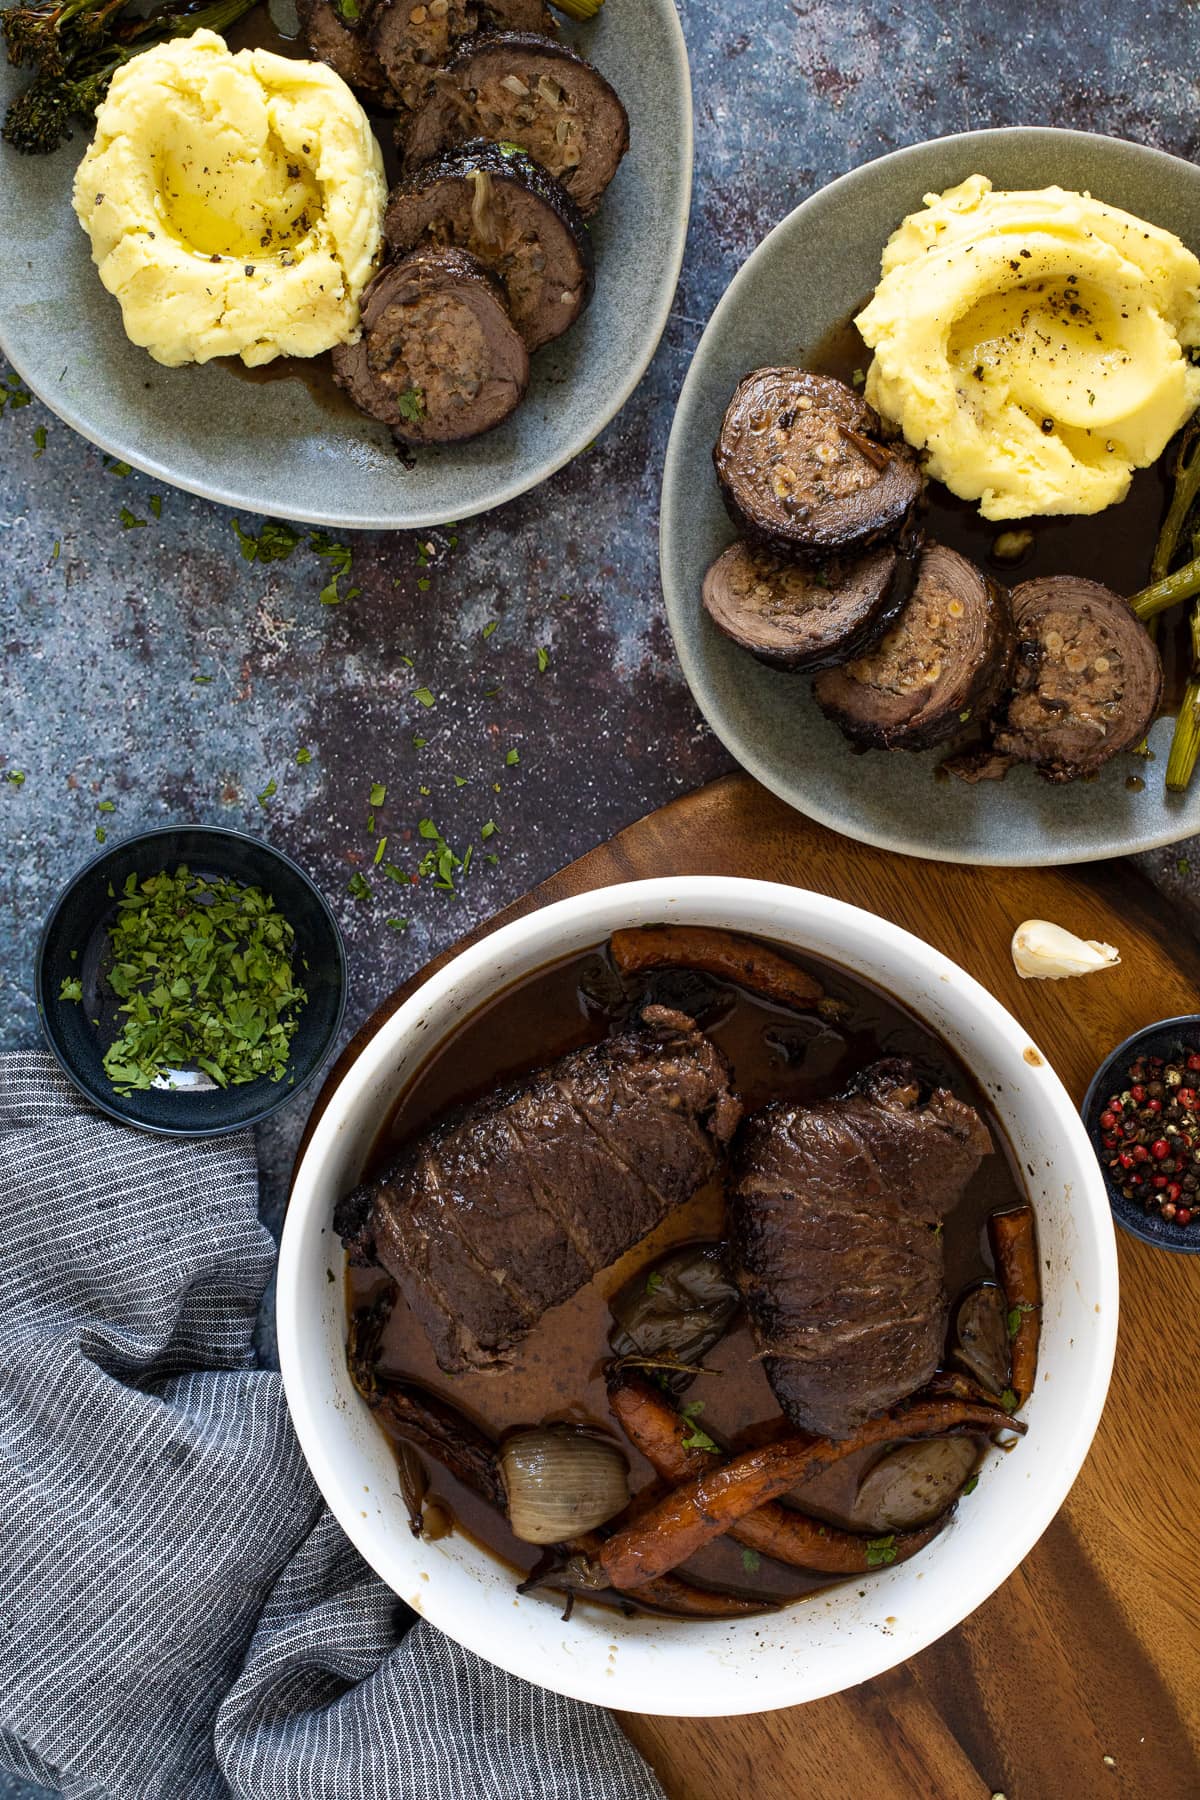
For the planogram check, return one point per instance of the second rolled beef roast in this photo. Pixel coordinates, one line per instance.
(490, 1218)
(835, 1216)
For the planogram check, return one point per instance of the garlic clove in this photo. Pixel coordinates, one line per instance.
(1045, 952)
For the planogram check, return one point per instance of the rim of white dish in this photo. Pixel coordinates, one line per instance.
(482, 1631)
(743, 747)
(420, 520)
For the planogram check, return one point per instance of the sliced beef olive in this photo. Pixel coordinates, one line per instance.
(1088, 678)
(413, 38)
(439, 359)
(914, 1484)
(514, 217)
(339, 34)
(518, 88)
(803, 469)
(981, 1337)
(945, 661)
(796, 615)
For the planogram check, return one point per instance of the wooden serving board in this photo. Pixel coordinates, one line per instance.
(1091, 1650)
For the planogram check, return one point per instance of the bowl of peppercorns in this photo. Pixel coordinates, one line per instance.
(1142, 1113)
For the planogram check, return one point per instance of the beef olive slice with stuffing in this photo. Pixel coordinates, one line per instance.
(439, 359)
(514, 218)
(413, 41)
(1088, 678)
(943, 664)
(792, 615)
(835, 1209)
(518, 88)
(342, 39)
(803, 469)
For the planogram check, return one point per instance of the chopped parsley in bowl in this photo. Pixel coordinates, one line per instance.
(190, 981)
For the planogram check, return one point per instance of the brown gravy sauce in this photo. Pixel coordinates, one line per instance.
(1113, 547)
(558, 1371)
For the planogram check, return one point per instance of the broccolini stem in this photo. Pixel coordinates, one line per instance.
(1170, 591)
(1187, 485)
(1185, 740)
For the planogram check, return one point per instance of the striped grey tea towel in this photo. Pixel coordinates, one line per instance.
(179, 1616)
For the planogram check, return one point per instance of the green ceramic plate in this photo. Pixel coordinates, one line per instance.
(803, 281)
(274, 447)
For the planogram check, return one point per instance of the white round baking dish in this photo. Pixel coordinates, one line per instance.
(840, 1637)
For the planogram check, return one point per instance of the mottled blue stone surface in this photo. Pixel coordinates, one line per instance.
(105, 628)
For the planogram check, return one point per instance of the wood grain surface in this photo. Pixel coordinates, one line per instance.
(1081, 1675)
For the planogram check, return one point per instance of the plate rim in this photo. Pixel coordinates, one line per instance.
(671, 533)
(113, 444)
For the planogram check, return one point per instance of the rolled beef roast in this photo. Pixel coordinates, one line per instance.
(413, 39)
(518, 88)
(944, 662)
(803, 468)
(512, 217)
(795, 615)
(494, 1215)
(439, 359)
(1088, 678)
(342, 39)
(834, 1210)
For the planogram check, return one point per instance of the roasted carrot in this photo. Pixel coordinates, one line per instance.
(653, 1427)
(707, 1506)
(415, 1417)
(1013, 1236)
(671, 1594)
(741, 960)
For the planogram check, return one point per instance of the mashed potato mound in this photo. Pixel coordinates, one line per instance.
(234, 203)
(1034, 345)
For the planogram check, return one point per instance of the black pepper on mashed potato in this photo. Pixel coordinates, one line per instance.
(234, 202)
(1035, 345)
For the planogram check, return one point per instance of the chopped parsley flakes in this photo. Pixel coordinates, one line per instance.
(203, 973)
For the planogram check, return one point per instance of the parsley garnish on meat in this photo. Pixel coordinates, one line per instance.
(411, 404)
(697, 1438)
(203, 973)
(881, 1551)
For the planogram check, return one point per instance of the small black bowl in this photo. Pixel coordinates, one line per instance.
(1164, 1039)
(74, 940)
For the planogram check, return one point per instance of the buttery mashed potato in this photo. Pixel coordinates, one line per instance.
(234, 203)
(1034, 344)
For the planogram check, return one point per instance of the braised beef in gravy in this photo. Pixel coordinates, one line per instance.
(556, 1372)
